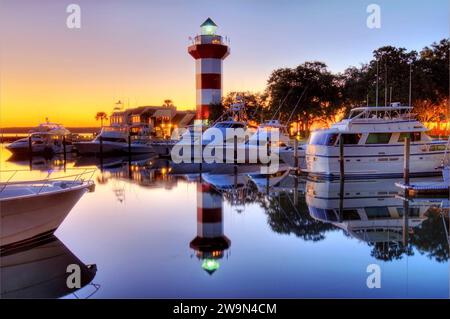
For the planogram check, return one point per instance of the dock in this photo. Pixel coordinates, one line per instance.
(428, 188)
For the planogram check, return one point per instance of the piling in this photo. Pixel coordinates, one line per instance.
(405, 220)
(30, 146)
(129, 143)
(30, 152)
(406, 155)
(341, 158)
(101, 146)
(296, 156)
(235, 156)
(296, 190)
(268, 164)
(64, 149)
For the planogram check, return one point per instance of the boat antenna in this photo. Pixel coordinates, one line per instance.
(295, 107)
(282, 102)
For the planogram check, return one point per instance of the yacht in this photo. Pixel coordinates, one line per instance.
(110, 140)
(139, 146)
(197, 140)
(285, 149)
(46, 138)
(30, 209)
(271, 131)
(373, 139)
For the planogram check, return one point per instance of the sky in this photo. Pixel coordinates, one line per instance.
(136, 50)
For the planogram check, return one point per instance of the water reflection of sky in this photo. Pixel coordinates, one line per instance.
(138, 232)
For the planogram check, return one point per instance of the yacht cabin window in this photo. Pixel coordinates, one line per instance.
(322, 138)
(378, 138)
(415, 136)
(351, 139)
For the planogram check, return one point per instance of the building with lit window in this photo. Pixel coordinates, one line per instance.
(158, 121)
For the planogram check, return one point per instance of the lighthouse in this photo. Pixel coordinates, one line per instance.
(210, 242)
(209, 50)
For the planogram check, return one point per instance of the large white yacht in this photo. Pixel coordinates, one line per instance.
(374, 145)
(46, 138)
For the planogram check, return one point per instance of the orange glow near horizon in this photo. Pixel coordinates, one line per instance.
(67, 76)
(136, 51)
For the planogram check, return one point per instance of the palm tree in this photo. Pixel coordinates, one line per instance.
(168, 103)
(101, 116)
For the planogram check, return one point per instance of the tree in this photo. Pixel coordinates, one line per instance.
(168, 103)
(255, 103)
(101, 116)
(308, 92)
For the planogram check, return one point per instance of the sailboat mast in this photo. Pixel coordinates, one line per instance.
(376, 97)
(385, 84)
(410, 83)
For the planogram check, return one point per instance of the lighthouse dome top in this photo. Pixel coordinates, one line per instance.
(208, 27)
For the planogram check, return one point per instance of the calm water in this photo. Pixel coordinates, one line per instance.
(157, 230)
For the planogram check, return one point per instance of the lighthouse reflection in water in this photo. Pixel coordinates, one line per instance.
(156, 229)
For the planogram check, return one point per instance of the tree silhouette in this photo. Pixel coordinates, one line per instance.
(168, 103)
(101, 116)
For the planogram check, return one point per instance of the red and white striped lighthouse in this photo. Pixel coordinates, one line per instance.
(208, 50)
(210, 242)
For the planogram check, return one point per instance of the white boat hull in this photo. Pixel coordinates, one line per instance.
(362, 161)
(94, 147)
(25, 217)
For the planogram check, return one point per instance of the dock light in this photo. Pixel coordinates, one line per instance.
(210, 265)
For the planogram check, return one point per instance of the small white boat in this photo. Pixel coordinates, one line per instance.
(139, 146)
(267, 181)
(109, 140)
(29, 209)
(203, 144)
(47, 138)
(225, 177)
(373, 140)
(255, 150)
(287, 155)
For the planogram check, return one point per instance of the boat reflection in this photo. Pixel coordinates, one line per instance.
(371, 211)
(38, 269)
(42, 163)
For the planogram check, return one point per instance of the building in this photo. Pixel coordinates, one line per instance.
(158, 121)
(209, 50)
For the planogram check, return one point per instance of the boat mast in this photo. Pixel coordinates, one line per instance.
(410, 83)
(385, 84)
(376, 92)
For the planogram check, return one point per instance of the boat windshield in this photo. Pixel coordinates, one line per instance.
(323, 138)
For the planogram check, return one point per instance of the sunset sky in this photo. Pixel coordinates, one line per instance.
(136, 50)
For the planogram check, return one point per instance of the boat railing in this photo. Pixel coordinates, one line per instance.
(74, 180)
